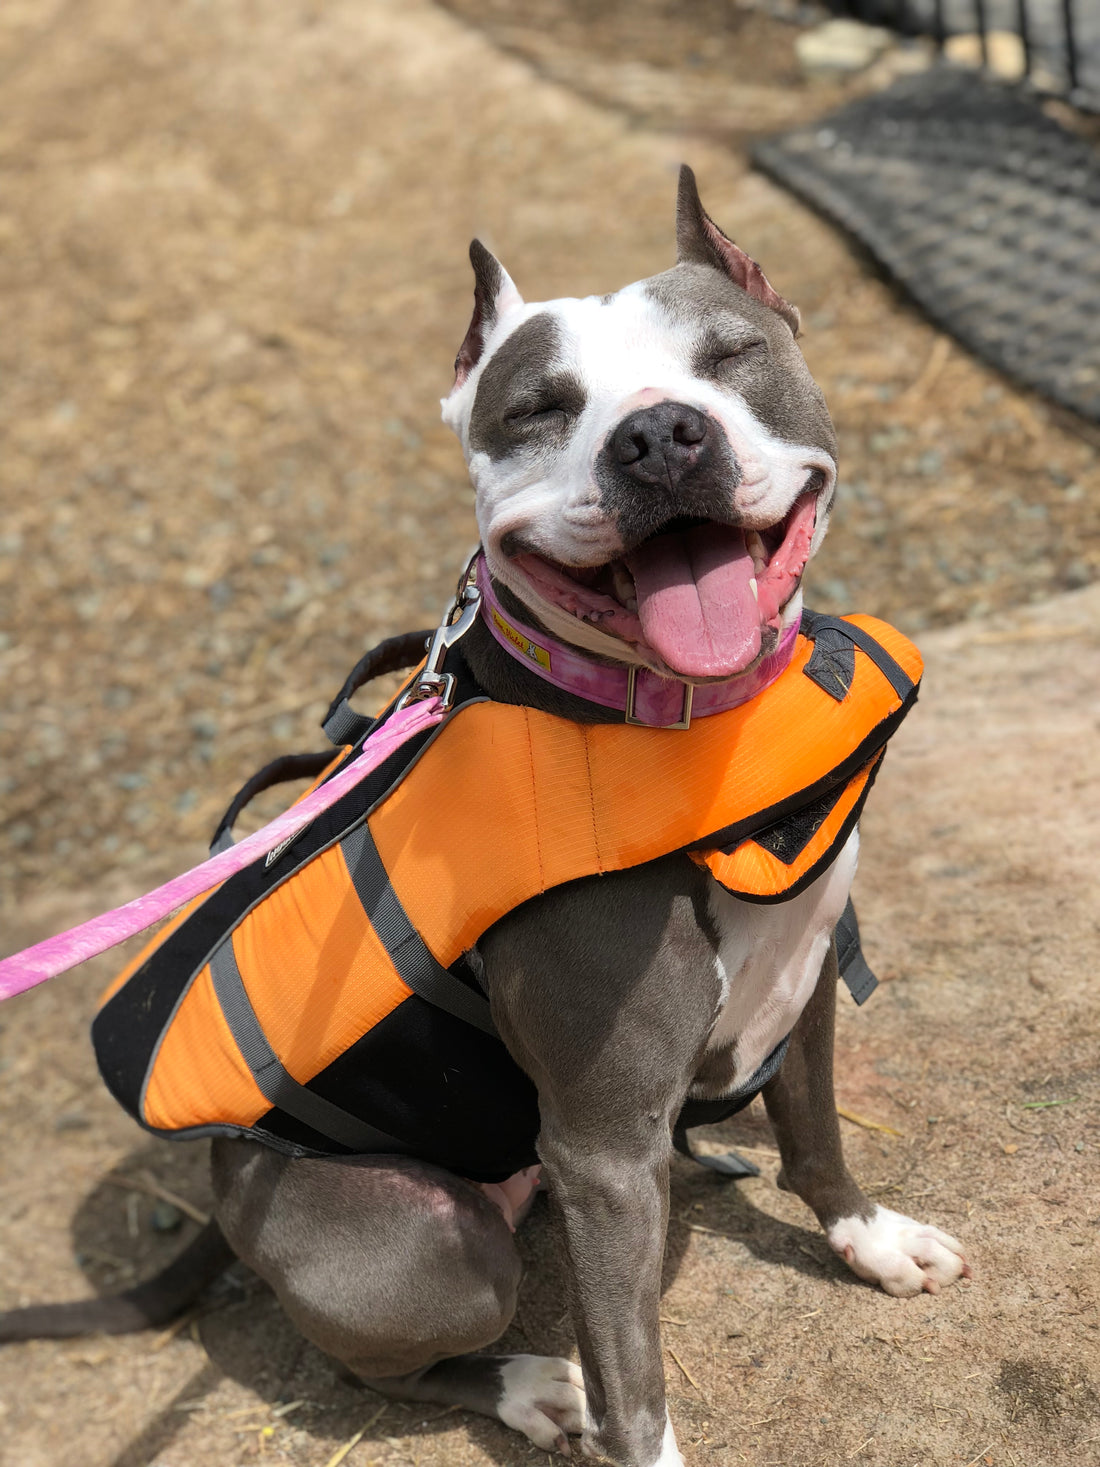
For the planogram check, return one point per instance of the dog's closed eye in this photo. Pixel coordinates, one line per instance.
(529, 412)
(545, 399)
(729, 354)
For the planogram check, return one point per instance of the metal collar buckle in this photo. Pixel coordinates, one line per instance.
(631, 694)
(459, 617)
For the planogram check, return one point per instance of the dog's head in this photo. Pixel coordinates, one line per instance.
(653, 468)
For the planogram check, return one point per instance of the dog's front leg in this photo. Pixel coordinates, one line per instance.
(611, 1196)
(881, 1246)
(605, 992)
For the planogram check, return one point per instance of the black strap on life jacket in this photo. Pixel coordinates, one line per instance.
(709, 1112)
(832, 663)
(854, 967)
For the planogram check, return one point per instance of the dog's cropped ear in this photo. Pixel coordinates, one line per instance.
(699, 241)
(494, 294)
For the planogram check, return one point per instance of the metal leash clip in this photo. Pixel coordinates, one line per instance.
(459, 617)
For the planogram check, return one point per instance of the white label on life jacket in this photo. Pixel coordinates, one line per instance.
(284, 845)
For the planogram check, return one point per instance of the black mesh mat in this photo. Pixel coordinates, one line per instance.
(984, 209)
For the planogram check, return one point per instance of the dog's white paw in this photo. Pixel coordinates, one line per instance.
(903, 1256)
(543, 1397)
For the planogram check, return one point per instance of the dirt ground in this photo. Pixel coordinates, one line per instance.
(232, 281)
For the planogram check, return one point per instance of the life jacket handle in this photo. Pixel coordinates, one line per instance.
(283, 770)
(342, 724)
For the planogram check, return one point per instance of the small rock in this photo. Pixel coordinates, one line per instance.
(887, 439)
(165, 1218)
(1077, 575)
(840, 47)
(835, 589)
(930, 462)
(72, 1120)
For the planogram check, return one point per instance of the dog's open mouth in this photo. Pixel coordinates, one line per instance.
(701, 595)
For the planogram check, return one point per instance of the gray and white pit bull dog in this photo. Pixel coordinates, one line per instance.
(588, 425)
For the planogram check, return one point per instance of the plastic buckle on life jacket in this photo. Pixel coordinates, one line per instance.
(631, 713)
(459, 617)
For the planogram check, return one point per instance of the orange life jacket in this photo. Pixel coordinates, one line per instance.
(319, 1000)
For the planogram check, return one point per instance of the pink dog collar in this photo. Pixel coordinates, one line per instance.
(642, 696)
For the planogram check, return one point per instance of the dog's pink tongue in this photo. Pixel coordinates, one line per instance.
(695, 603)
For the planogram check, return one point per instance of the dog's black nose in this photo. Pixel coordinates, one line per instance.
(658, 445)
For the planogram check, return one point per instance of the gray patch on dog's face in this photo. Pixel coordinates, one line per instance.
(527, 399)
(745, 349)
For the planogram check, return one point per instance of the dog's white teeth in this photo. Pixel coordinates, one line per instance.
(755, 546)
(754, 588)
(623, 583)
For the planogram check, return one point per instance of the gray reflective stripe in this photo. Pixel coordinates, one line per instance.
(344, 725)
(276, 1085)
(415, 964)
(222, 842)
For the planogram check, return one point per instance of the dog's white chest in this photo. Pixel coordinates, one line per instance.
(769, 957)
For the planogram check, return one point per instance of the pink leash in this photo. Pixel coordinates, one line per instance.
(58, 954)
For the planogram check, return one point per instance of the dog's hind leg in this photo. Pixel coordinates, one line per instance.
(801, 1106)
(884, 1247)
(399, 1270)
